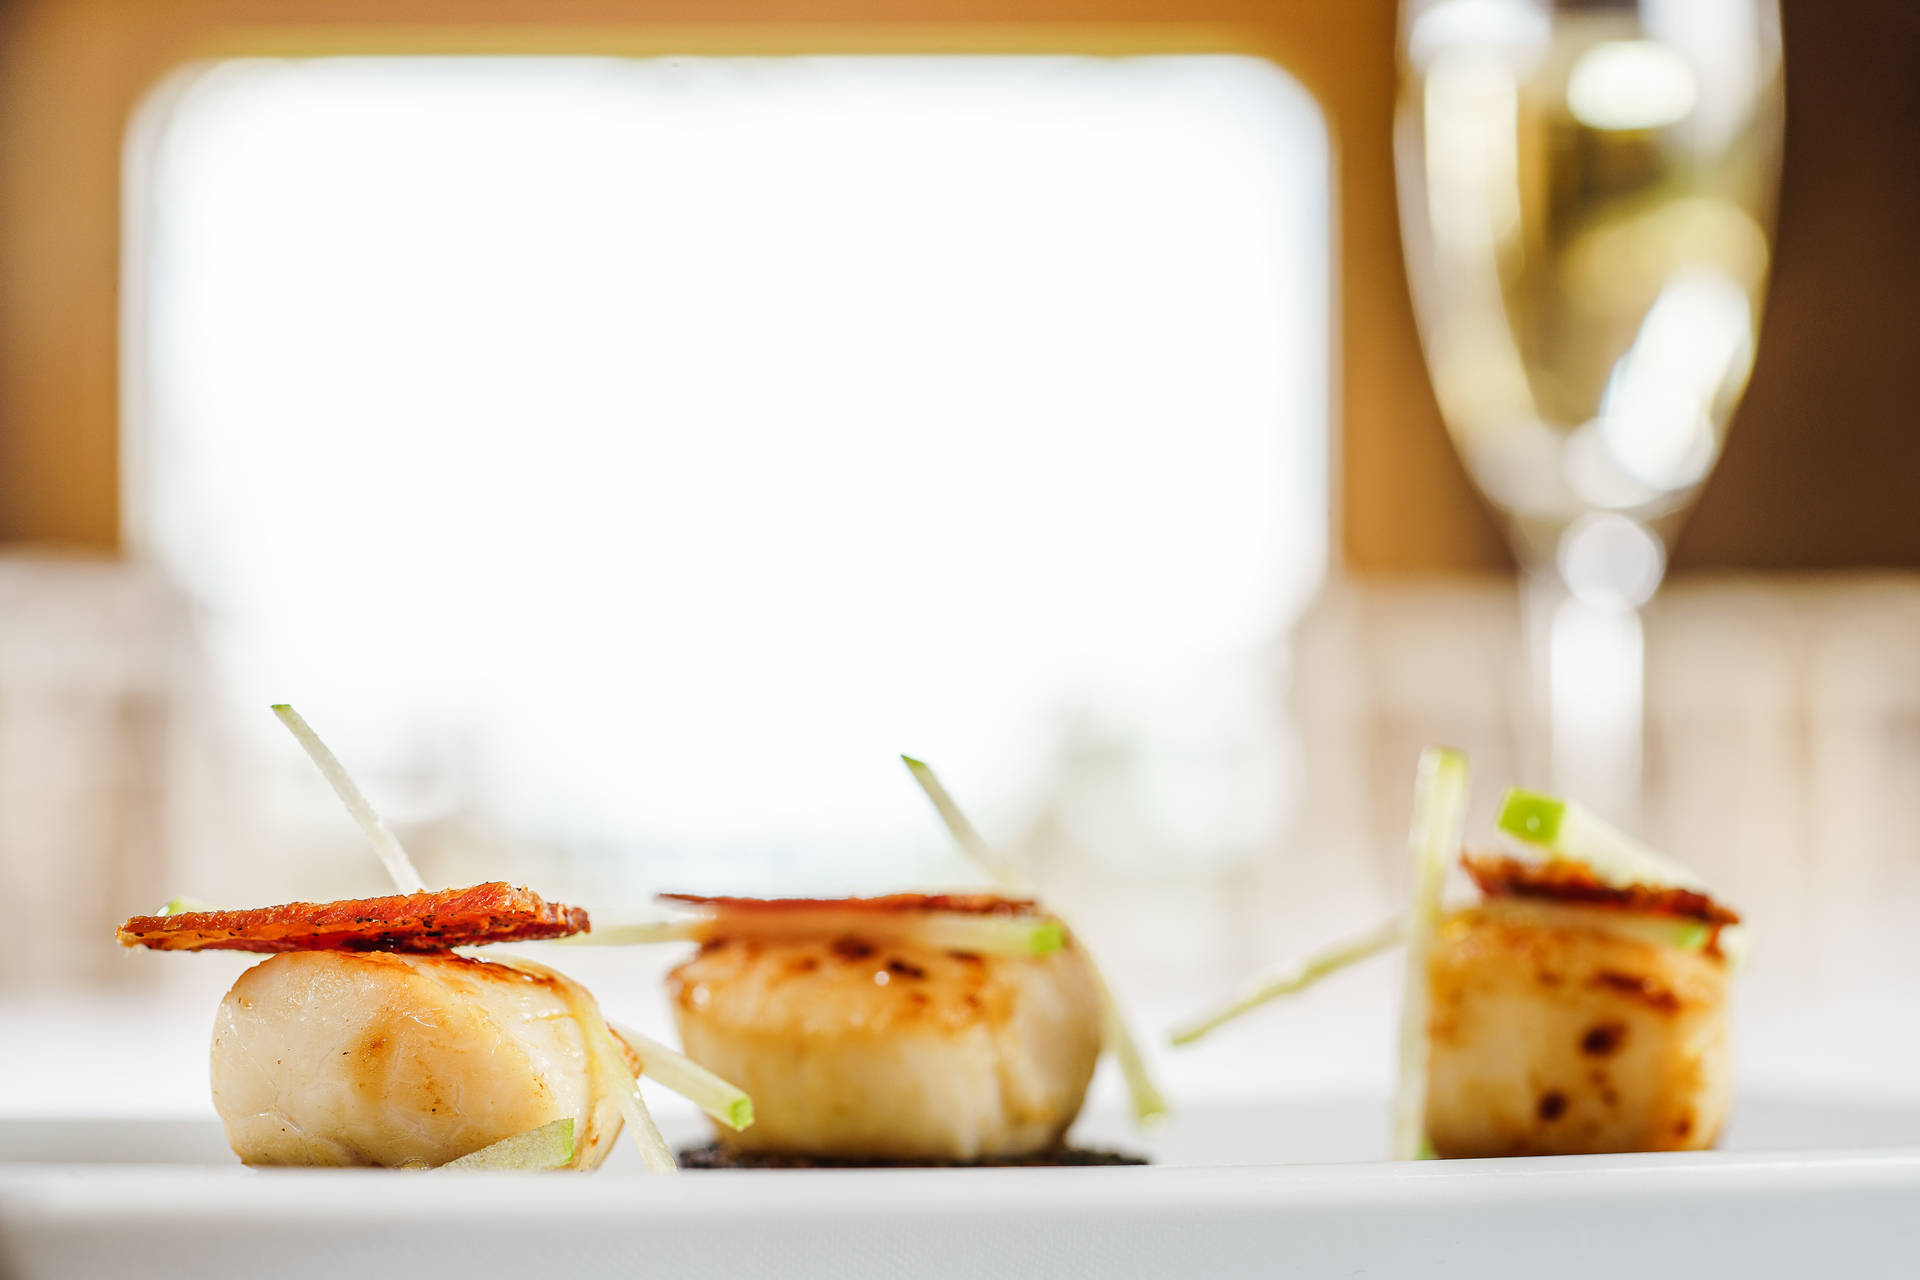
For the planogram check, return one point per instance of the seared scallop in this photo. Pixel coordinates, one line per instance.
(884, 1048)
(372, 1058)
(1559, 1030)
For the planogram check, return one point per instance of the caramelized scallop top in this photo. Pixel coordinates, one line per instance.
(1567, 880)
(808, 985)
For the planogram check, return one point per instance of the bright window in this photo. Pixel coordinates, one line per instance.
(626, 458)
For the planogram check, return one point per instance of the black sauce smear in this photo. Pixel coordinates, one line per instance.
(715, 1156)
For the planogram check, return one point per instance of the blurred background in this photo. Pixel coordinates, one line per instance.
(623, 428)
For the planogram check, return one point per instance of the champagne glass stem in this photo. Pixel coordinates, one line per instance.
(1588, 677)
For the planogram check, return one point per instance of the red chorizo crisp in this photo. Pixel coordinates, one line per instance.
(420, 922)
(979, 904)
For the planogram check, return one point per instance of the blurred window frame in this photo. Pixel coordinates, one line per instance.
(75, 73)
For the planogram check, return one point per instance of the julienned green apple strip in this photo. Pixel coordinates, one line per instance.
(548, 1147)
(1148, 1102)
(1297, 976)
(941, 930)
(1567, 828)
(399, 866)
(641, 933)
(725, 1102)
(1439, 824)
(964, 833)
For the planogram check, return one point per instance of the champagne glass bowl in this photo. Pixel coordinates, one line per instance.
(1586, 197)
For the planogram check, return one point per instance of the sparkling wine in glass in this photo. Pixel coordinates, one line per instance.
(1586, 196)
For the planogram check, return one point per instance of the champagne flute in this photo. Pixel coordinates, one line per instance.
(1586, 199)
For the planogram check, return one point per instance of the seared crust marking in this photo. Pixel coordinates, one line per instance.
(1565, 880)
(413, 922)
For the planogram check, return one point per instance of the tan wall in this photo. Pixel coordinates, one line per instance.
(1818, 471)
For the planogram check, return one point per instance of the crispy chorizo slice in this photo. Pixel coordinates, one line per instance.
(420, 922)
(1567, 880)
(977, 904)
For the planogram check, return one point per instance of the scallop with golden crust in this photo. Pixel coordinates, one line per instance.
(871, 1048)
(1555, 1031)
(374, 1058)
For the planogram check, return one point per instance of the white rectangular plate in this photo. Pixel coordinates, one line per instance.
(1797, 1186)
